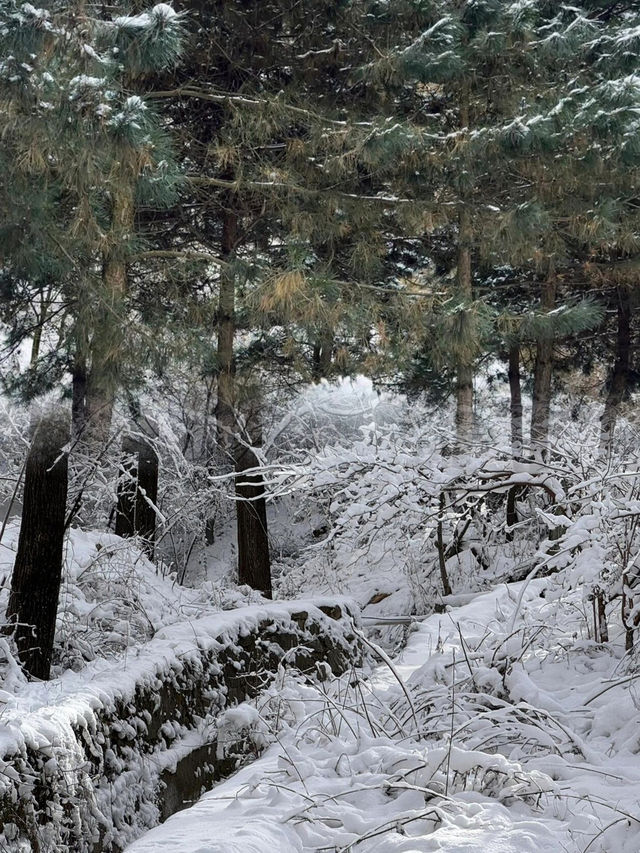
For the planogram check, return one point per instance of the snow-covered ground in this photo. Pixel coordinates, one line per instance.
(501, 728)
(111, 599)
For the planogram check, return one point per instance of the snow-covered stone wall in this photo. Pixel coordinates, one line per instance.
(117, 748)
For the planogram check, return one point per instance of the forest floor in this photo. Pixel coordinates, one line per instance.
(501, 728)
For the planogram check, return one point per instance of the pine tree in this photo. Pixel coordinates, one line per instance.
(517, 135)
(80, 151)
(140, 172)
(264, 131)
(477, 65)
(85, 152)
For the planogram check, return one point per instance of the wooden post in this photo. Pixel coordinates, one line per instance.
(138, 493)
(254, 567)
(35, 583)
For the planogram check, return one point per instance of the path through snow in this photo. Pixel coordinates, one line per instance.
(518, 735)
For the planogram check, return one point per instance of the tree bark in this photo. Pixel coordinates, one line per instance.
(41, 319)
(516, 400)
(627, 609)
(225, 407)
(541, 402)
(78, 397)
(107, 338)
(464, 370)
(207, 454)
(620, 375)
(322, 355)
(35, 583)
(138, 493)
(254, 566)
(602, 628)
(513, 495)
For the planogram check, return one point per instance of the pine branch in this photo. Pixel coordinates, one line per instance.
(242, 100)
(180, 254)
(235, 186)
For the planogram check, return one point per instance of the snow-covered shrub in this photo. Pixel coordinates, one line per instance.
(394, 500)
(594, 527)
(348, 771)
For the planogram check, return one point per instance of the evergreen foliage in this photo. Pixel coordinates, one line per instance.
(76, 143)
(355, 177)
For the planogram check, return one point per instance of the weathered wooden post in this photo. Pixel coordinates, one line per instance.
(138, 492)
(254, 567)
(35, 583)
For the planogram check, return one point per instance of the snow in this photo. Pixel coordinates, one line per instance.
(161, 13)
(112, 597)
(84, 81)
(98, 728)
(501, 725)
(103, 679)
(504, 754)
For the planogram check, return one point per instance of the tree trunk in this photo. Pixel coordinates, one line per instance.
(41, 319)
(464, 370)
(627, 609)
(620, 376)
(541, 402)
(207, 454)
(516, 400)
(254, 567)
(251, 515)
(35, 345)
(78, 398)
(322, 355)
(601, 632)
(226, 370)
(225, 408)
(138, 493)
(107, 338)
(513, 495)
(35, 583)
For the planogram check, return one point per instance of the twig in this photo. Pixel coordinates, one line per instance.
(387, 660)
(453, 709)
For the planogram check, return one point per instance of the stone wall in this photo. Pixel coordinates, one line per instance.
(93, 770)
